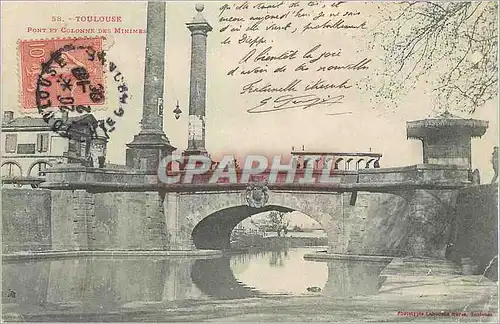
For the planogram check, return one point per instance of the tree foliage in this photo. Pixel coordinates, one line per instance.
(277, 222)
(451, 46)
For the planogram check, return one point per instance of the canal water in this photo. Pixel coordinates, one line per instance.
(109, 284)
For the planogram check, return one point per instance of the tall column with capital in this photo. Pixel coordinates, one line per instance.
(199, 28)
(151, 144)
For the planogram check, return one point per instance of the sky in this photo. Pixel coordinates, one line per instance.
(230, 128)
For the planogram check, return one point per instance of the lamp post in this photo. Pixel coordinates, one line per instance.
(177, 111)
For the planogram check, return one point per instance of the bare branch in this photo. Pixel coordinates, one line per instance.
(452, 43)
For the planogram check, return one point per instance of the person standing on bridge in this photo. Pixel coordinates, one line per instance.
(494, 161)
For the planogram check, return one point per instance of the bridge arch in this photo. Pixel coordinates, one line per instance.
(212, 227)
(214, 231)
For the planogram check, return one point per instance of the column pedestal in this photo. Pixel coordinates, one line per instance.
(146, 150)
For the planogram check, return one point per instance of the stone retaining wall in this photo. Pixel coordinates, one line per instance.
(475, 231)
(26, 223)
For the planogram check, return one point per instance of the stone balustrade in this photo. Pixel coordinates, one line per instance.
(340, 160)
(367, 179)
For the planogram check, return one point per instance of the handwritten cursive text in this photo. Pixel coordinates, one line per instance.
(285, 102)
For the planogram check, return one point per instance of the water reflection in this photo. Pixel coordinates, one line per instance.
(105, 284)
(280, 272)
(277, 258)
(215, 279)
(353, 278)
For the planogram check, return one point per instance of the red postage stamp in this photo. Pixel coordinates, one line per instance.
(75, 75)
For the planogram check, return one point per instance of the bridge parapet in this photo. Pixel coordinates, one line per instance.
(76, 173)
(419, 172)
(339, 160)
(438, 176)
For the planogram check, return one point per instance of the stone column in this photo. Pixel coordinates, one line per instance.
(154, 67)
(151, 144)
(199, 28)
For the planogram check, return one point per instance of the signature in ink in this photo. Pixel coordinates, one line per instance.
(285, 102)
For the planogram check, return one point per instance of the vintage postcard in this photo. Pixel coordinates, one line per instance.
(249, 161)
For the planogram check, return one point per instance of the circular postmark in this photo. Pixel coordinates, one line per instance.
(70, 82)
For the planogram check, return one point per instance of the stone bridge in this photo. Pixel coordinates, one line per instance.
(386, 211)
(393, 210)
(380, 211)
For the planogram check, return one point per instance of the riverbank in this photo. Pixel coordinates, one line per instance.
(325, 256)
(254, 242)
(42, 255)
